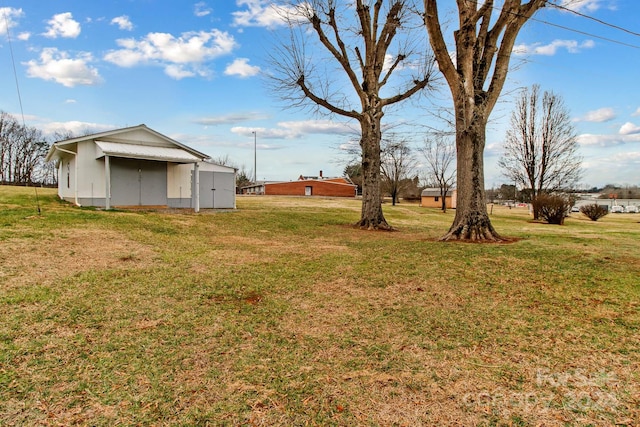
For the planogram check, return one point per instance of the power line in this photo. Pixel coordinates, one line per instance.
(599, 21)
(584, 33)
(563, 27)
(15, 74)
(13, 62)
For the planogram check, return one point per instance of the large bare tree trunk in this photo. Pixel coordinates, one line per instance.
(483, 46)
(365, 50)
(472, 219)
(371, 217)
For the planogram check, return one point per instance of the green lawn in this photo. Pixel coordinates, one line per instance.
(280, 313)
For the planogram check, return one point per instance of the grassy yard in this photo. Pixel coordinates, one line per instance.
(280, 313)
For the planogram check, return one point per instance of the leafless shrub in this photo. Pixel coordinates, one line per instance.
(552, 208)
(594, 211)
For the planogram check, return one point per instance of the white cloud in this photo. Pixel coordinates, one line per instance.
(632, 157)
(390, 59)
(24, 36)
(123, 22)
(629, 129)
(582, 5)
(260, 13)
(61, 68)
(181, 56)
(637, 112)
(388, 62)
(297, 129)
(241, 68)
(63, 25)
(617, 167)
(599, 116)
(231, 118)
(8, 18)
(178, 72)
(494, 149)
(552, 48)
(609, 140)
(350, 146)
(200, 9)
(73, 127)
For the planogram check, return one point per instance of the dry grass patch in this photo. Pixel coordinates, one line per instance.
(53, 257)
(282, 314)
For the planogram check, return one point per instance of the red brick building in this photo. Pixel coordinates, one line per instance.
(306, 186)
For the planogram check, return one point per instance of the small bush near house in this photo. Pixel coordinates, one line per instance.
(594, 211)
(552, 208)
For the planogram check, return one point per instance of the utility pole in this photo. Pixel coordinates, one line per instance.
(255, 157)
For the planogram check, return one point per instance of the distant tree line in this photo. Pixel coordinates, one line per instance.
(22, 153)
(510, 193)
(612, 191)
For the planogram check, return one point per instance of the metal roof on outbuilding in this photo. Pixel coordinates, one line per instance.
(434, 192)
(124, 137)
(147, 152)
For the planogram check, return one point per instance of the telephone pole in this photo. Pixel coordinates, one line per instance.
(255, 157)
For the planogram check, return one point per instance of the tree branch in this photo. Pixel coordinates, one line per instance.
(325, 103)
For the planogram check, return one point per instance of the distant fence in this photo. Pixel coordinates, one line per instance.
(29, 184)
(609, 202)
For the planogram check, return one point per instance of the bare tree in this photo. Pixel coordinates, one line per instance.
(31, 149)
(475, 73)
(440, 154)
(398, 166)
(224, 160)
(353, 171)
(244, 176)
(9, 127)
(368, 42)
(541, 147)
(22, 151)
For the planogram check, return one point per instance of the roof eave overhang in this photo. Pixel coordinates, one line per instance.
(54, 153)
(152, 158)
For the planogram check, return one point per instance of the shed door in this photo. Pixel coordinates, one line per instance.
(138, 182)
(308, 190)
(217, 190)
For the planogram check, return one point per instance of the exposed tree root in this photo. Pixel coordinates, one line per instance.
(364, 224)
(479, 230)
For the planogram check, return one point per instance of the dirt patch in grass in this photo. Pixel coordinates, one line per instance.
(39, 261)
(503, 241)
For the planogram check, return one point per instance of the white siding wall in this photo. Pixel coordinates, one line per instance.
(66, 177)
(210, 167)
(142, 137)
(179, 181)
(91, 182)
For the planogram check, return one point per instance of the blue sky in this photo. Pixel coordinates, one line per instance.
(193, 70)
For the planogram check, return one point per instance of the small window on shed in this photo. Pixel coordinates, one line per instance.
(435, 199)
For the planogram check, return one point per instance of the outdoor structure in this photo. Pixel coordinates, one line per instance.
(137, 166)
(305, 186)
(430, 198)
(255, 189)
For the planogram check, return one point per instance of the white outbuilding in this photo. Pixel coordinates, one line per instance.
(139, 167)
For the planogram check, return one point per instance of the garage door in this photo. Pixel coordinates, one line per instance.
(138, 182)
(217, 190)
